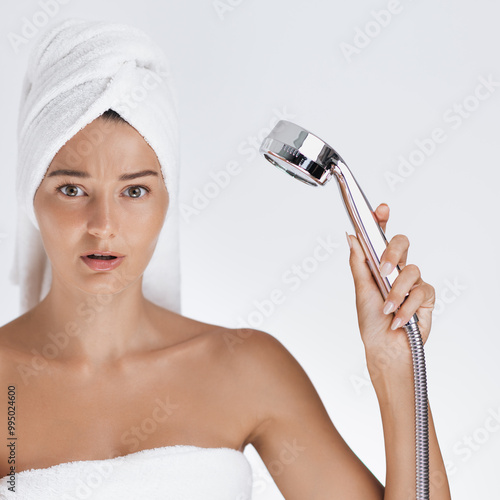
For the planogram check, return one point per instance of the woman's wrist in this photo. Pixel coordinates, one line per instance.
(389, 369)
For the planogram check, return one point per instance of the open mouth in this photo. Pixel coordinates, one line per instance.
(101, 257)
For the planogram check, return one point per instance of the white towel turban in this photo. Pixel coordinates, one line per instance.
(78, 70)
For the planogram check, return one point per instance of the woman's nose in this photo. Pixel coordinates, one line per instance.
(103, 216)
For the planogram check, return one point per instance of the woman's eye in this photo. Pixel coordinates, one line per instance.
(71, 192)
(136, 191)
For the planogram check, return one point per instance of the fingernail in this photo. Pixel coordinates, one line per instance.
(389, 307)
(386, 269)
(396, 323)
(348, 240)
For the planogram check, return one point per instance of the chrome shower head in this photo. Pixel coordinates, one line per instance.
(299, 153)
(309, 159)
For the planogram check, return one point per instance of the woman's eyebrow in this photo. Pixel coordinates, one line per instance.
(86, 175)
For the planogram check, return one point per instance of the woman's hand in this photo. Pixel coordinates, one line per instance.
(384, 345)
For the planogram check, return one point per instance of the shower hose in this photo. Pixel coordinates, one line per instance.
(421, 410)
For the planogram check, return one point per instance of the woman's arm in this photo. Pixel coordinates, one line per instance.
(389, 361)
(303, 451)
(395, 393)
(293, 434)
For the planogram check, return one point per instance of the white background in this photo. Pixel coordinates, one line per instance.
(242, 64)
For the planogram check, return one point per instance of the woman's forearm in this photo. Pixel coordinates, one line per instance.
(395, 392)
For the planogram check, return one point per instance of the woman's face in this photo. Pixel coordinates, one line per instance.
(88, 207)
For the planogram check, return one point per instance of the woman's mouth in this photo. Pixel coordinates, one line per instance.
(102, 262)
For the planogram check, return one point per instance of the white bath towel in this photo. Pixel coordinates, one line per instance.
(78, 70)
(169, 473)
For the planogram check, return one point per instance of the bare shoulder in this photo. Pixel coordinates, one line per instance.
(13, 362)
(12, 341)
(14, 358)
(274, 382)
(262, 354)
(250, 350)
(292, 431)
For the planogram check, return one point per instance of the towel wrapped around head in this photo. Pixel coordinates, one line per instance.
(78, 70)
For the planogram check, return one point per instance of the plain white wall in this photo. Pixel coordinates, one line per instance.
(379, 81)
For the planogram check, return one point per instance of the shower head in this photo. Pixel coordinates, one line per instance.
(309, 159)
(299, 153)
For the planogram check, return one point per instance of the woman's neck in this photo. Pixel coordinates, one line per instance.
(70, 324)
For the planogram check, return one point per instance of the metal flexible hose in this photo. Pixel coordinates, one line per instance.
(421, 410)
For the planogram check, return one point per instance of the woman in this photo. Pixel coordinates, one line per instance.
(136, 400)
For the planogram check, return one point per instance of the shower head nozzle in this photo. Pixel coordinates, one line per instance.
(309, 159)
(300, 153)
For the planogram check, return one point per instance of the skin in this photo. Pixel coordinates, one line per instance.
(133, 363)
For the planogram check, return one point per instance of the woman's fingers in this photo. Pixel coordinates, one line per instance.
(382, 215)
(422, 295)
(395, 253)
